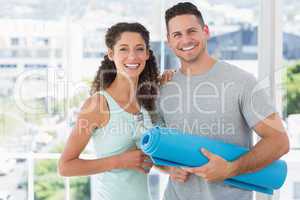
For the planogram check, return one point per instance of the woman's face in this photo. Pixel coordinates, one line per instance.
(129, 54)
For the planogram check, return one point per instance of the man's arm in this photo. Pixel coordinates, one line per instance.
(273, 144)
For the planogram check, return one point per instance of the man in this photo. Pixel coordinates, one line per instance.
(213, 98)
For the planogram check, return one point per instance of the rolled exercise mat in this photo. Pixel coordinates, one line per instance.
(170, 147)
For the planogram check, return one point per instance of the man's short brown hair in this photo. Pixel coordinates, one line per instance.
(184, 8)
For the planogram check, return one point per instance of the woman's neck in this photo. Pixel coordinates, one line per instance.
(124, 88)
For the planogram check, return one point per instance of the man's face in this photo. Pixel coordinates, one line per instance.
(187, 38)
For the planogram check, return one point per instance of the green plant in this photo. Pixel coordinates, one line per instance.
(47, 182)
(49, 186)
(292, 96)
(80, 188)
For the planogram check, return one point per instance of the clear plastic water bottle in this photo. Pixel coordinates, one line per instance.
(139, 128)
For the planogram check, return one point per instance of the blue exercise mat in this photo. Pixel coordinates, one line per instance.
(170, 147)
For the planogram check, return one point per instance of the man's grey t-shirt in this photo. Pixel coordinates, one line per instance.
(225, 103)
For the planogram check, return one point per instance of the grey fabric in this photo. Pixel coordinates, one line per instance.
(225, 103)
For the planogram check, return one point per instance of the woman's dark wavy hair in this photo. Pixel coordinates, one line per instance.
(148, 79)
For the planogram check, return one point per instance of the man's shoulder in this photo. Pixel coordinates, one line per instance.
(233, 72)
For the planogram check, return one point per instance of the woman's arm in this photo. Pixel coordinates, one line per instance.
(93, 114)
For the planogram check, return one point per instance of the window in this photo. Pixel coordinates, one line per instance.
(8, 65)
(14, 41)
(40, 41)
(42, 53)
(58, 53)
(45, 100)
(296, 190)
(69, 36)
(35, 66)
(291, 52)
(290, 93)
(93, 44)
(5, 53)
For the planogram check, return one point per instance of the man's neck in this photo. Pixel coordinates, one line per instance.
(200, 66)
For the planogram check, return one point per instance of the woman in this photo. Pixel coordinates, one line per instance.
(124, 88)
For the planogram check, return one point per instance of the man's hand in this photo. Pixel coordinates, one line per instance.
(176, 174)
(217, 169)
